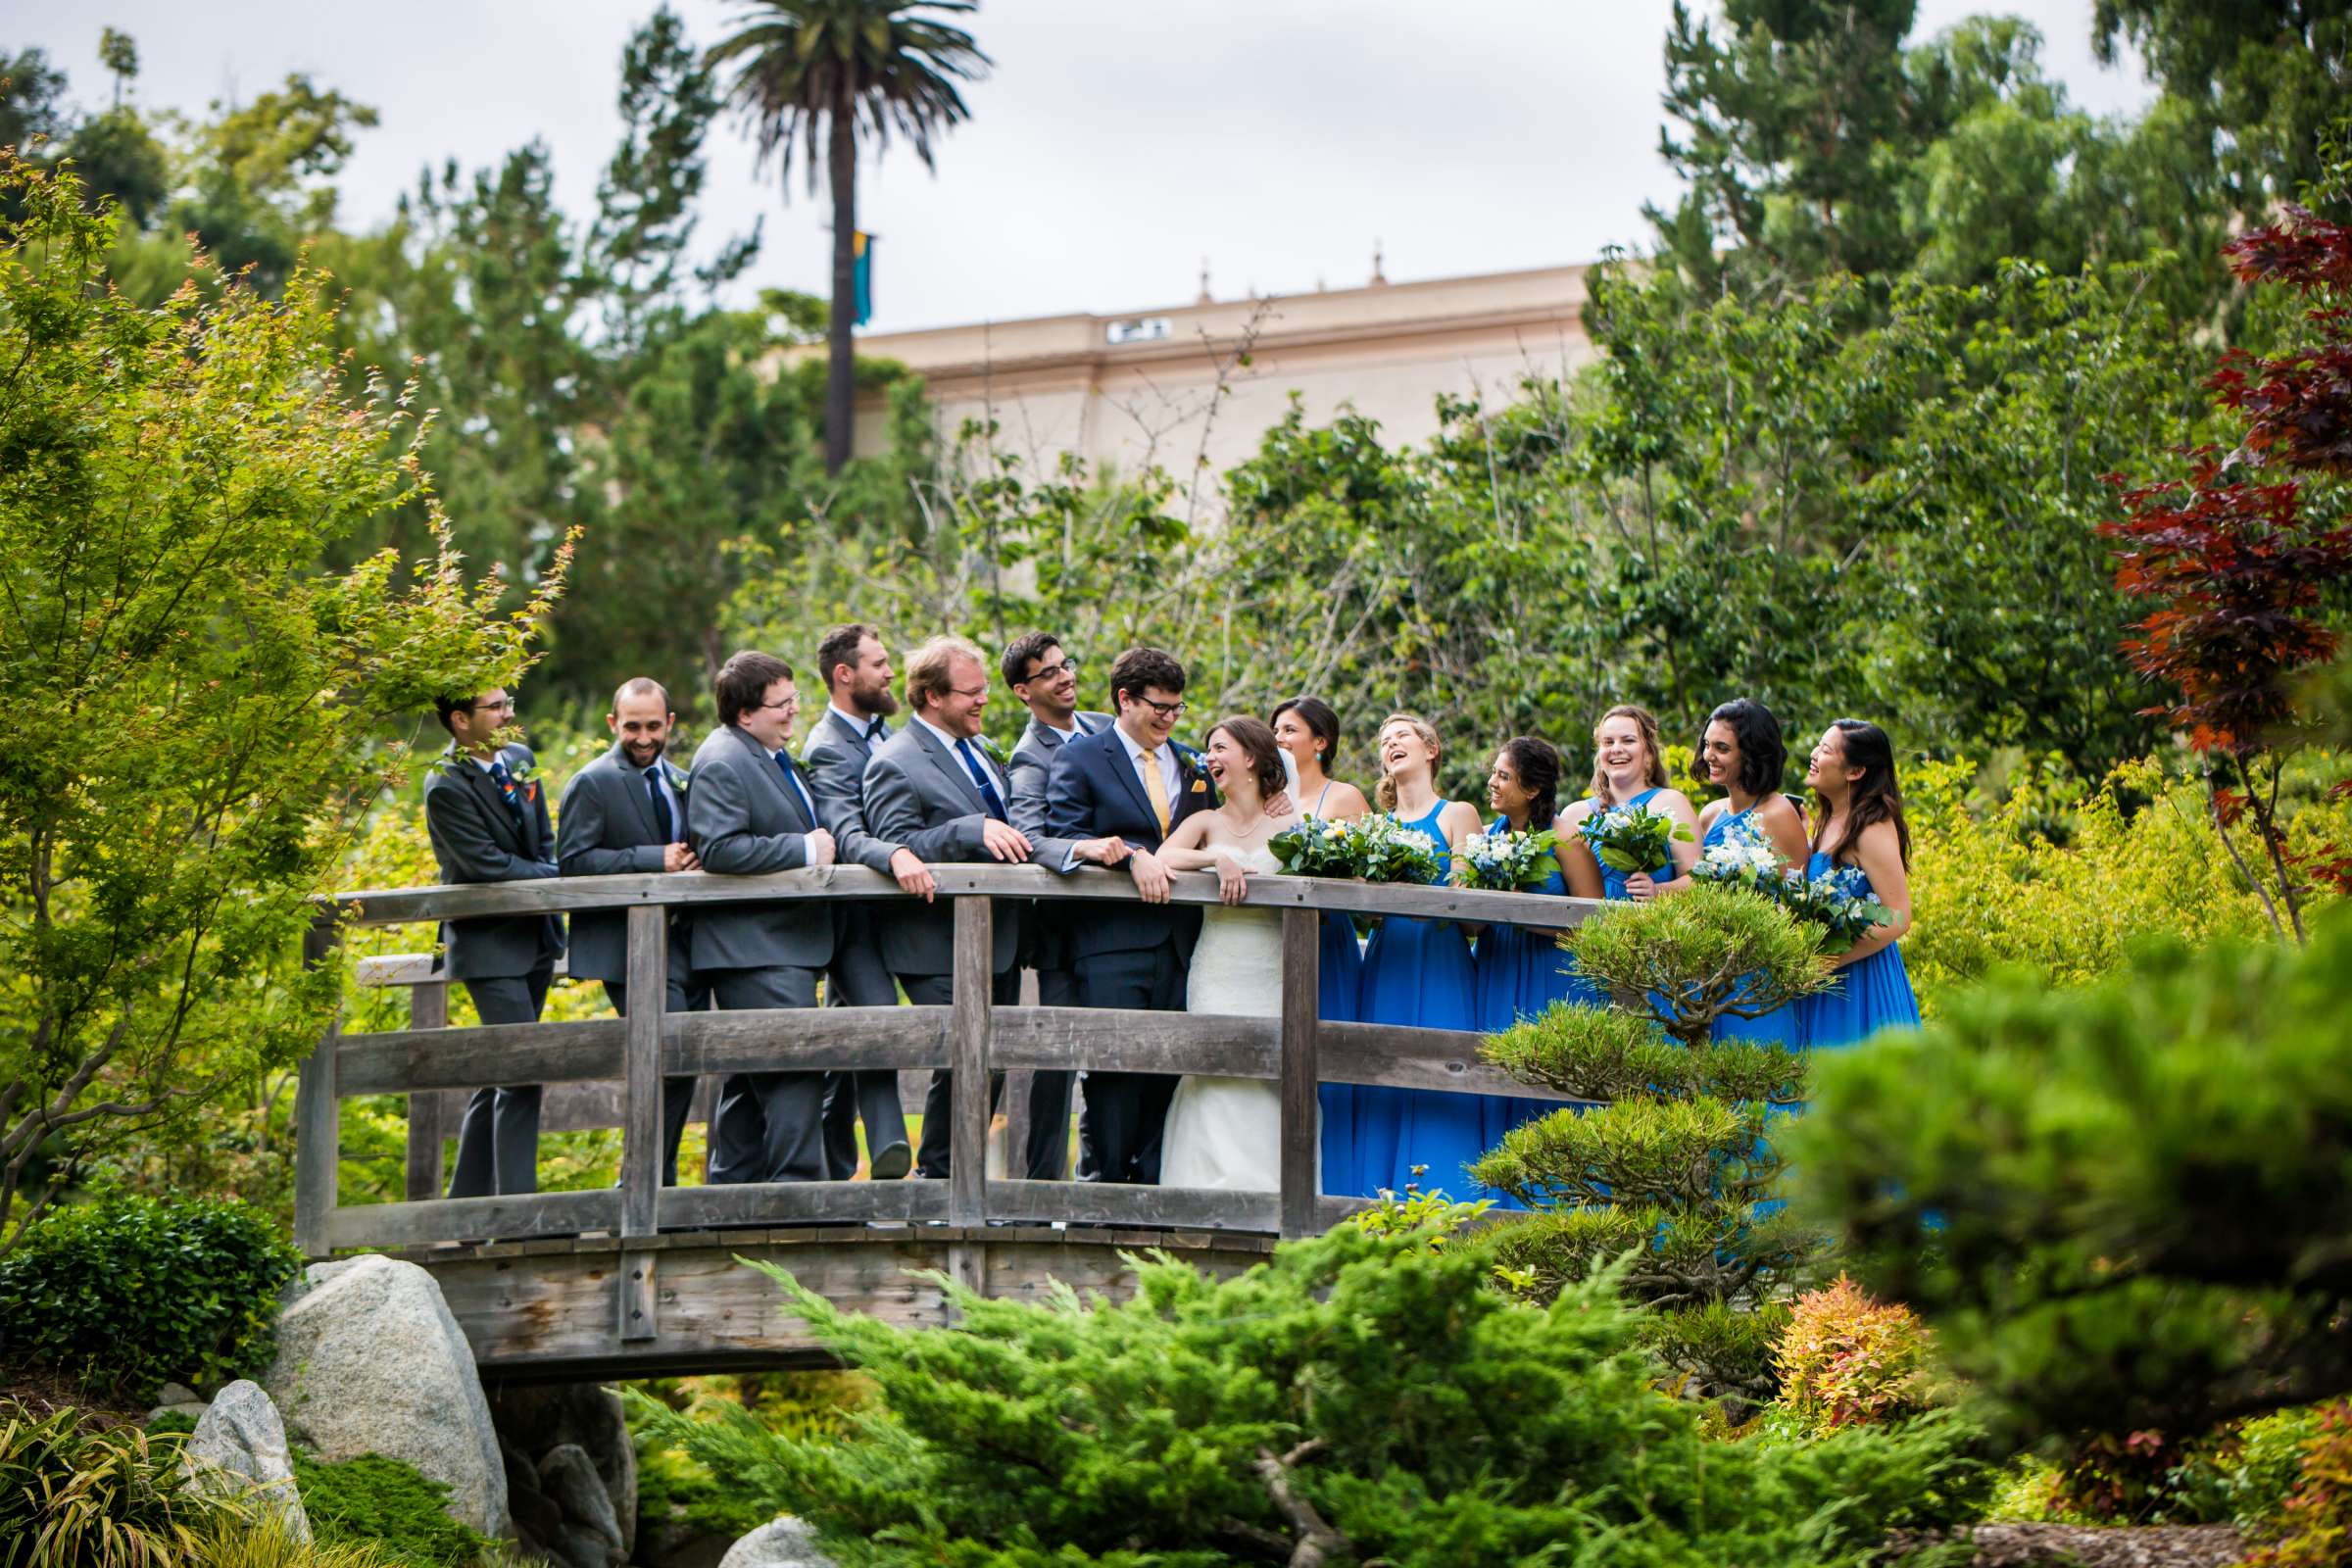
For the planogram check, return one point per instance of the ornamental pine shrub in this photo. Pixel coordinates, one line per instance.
(1846, 1359)
(1673, 1166)
(1372, 1395)
(128, 1291)
(2121, 1209)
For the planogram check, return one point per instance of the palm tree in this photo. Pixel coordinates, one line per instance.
(854, 66)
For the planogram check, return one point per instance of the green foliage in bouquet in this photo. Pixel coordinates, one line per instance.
(1672, 1165)
(1360, 1397)
(1316, 846)
(2123, 1208)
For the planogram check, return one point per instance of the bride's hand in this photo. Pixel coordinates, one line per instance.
(1233, 883)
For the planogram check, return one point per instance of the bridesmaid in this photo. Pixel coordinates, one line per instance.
(1741, 754)
(1628, 770)
(1520, 969)
(1417, 972)
(1859, 829)
(1308, 730)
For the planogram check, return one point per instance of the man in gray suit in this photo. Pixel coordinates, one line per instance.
(488, 820)
(750, 812)
(626, 812)
(937, 788)
(855, 668)
(1045, 680)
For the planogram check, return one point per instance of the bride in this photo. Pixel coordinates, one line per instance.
(1226, 1132)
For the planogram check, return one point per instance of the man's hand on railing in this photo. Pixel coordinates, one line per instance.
(821, 848)
(1151, 877)
(1103, 851)
(1280, 804)
(679, 857)
(914, 875)
(1005, 841)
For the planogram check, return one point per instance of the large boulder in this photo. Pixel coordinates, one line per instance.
(239, 1446)
(369, 1360)
(785, 1543)
(539, 1418)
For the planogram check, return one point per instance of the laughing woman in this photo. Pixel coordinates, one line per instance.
(1308, 730)
(1741, 754)
(1521, 970)
(1415, 972)
(1859, 832)
(1628, 770)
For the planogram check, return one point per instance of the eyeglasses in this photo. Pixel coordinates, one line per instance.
(1055, 670)
(503, 705)
(980, 690)
(790, 705)
(1163, 709)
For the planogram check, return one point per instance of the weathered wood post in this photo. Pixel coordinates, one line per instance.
(1301, 985)
(428, 1009)
(968, 1026)
(641, 1115)
(317, 1113)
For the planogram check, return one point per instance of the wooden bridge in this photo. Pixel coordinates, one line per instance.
(642, 1280)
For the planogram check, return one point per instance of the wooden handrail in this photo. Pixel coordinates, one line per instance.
(686, 889)
(1297, 1051)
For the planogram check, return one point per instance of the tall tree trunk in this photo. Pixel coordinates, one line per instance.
(841, 393)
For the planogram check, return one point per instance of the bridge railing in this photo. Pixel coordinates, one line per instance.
(1296, 1051)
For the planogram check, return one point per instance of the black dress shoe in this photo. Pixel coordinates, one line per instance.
(893, 1163)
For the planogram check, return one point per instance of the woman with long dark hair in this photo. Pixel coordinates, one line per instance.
(1308, 730)
(1521, 970)
(1741, 754)
(1860, 835)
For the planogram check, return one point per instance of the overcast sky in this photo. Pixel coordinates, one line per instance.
(1116, 145)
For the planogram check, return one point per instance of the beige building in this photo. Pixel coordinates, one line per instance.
(1205, 381)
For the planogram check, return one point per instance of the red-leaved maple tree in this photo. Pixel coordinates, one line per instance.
(2238, 557)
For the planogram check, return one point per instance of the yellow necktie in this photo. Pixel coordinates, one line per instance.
(1155, 787)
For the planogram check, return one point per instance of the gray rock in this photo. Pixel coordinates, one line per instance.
(194, 1407)
(240, 1446)
(369, 1360)
(591, 1535)
(542, 1417)
(786, 1542)
(172, 1394)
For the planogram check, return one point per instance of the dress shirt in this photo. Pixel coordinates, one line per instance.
(952, 745)
(792, 772)
(1167, 766)
(864, 726)
(675, 827)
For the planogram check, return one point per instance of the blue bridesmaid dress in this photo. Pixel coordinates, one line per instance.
(1417, 972)
(1871, 994)
(1612, 881)
(1339, 983)
(1781, 1026)
(1520, 974)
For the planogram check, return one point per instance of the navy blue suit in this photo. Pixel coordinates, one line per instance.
(1126, 954)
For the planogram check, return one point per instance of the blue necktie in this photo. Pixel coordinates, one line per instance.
(661, 798)
(988, 790)
(507, 791)
(791, 776)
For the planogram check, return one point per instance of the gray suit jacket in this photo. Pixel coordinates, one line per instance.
(744, 820)
(835, 758)
(919, 794)
(478, 839)
(607, 828)
(1045, 924)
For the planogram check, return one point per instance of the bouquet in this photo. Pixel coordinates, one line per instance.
(1316, 847)
(1743, 860)
(1504, 862)
(1387, 850)
(1839, 901)
(1632, 838)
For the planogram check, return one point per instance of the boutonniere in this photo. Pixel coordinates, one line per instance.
(1200, 786)
(679, 778)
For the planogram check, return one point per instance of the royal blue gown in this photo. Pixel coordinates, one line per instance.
(1417, 972)
(1781, 1026)
(1521, 972)
(1612, 881)
(1871, 994)
(1339, 969)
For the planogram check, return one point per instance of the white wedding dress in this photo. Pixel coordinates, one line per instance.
(1227, 1132)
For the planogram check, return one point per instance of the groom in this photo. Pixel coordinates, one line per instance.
(1132, 782)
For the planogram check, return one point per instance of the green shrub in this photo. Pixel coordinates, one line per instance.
(2120, 1207)
(79, 1495)
(128, 1291)
(2268, 1465)
(171, 1424)
(1378, 1380)
(2313, 1528)
(1847, 1360)
(388, 1502)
